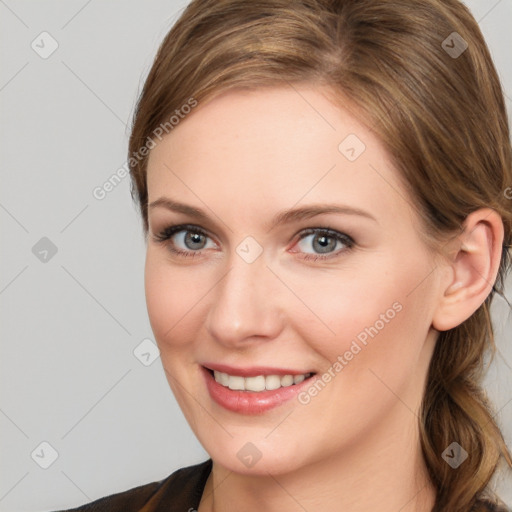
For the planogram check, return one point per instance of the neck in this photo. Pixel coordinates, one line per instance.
(384, 471)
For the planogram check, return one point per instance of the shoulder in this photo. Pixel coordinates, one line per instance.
(181, 490)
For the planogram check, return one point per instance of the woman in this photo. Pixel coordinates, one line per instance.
(325, 190)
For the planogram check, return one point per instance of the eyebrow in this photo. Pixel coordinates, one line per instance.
(283, 217)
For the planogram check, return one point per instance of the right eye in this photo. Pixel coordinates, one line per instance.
(185, 240)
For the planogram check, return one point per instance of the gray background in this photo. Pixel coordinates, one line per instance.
(71, 323)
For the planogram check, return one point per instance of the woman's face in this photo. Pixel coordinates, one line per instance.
(301, 254)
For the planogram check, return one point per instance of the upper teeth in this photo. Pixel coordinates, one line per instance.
(258, 383)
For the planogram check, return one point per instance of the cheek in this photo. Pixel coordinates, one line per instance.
(171, 297)
(376, 313)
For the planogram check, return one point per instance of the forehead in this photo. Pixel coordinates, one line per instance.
(282, 122)
(273, 148)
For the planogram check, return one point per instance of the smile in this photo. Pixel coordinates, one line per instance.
(255, 393)
(259, 382)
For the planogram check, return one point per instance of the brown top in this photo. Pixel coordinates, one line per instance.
(180, 492)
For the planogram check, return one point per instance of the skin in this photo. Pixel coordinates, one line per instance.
(242, 158)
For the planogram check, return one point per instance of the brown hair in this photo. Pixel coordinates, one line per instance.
(439, 111)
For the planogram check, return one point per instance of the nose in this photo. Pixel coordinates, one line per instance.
(245, 305)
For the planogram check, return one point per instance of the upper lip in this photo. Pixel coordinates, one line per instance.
(252, 371)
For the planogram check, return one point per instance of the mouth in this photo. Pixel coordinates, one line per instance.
(257, 392)
(258, 383)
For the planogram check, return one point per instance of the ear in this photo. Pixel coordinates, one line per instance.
(472, 266)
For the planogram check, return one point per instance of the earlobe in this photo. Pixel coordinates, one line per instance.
(473, 267)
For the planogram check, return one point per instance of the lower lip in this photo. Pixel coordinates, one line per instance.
(251, 402)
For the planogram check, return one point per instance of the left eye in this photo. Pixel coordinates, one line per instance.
(324, 242)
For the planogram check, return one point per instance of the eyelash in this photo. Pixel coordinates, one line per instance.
(167, 233)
